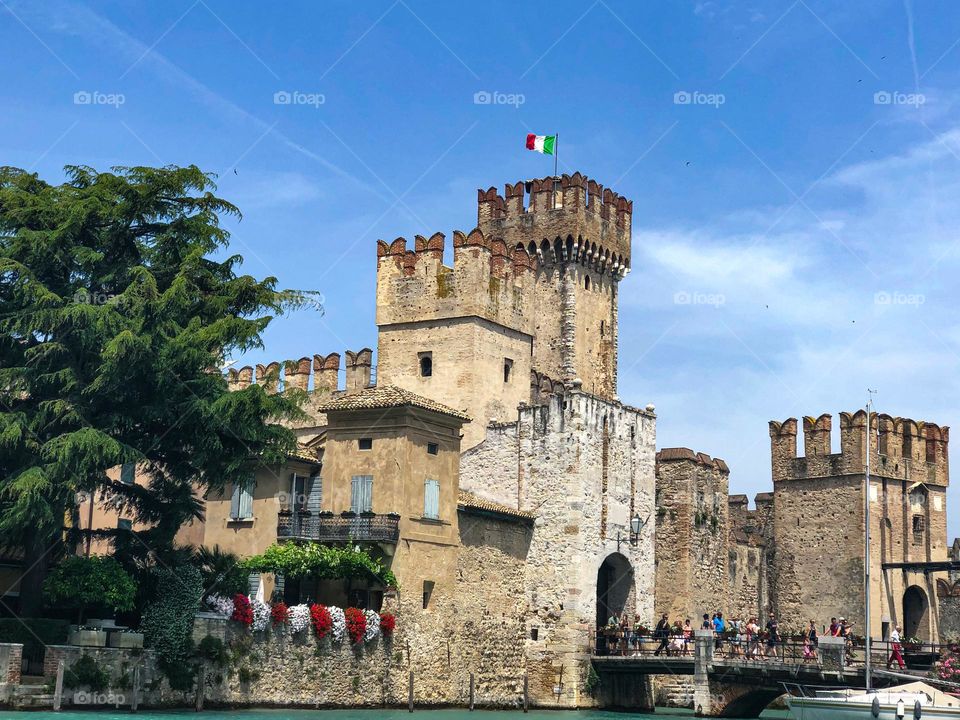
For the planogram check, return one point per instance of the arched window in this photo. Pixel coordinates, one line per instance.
(426, 365)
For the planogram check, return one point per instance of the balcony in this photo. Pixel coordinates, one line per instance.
(337, 530)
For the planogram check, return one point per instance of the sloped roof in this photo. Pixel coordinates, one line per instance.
(387, 396)
(469, 501)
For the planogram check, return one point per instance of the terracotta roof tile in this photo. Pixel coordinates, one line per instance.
(387, 396)
(470, 501)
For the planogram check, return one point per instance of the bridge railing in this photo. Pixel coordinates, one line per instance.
(792, 650)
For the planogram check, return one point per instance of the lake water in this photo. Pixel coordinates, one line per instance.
(393, 714)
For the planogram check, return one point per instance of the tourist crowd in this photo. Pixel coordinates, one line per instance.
(733, 638)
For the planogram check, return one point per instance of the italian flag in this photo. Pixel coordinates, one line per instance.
(541, 143)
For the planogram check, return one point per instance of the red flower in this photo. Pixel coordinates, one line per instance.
(242, 611)
(356, 623)
(322, 622)
(388, 621)
(280, 613)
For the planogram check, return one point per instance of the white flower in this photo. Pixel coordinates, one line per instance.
(261, 615)
(373, 625)
(339, 628)
(299, 618)
(221, 605)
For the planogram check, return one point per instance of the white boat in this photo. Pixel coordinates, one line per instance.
(913, 700)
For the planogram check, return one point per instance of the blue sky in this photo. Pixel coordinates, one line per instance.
(794, 167)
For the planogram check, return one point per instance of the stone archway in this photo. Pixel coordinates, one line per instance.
(615, 589)
(916, 613)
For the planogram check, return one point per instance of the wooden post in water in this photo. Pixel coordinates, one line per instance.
(201, 678)
(526, 692)
(58, 688)
(135, 700)
(410, 692)
(471, 692)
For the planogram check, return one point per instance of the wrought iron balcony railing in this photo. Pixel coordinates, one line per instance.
(340, 529)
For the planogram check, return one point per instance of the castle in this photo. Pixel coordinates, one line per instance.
(800, 553)
(491, 465)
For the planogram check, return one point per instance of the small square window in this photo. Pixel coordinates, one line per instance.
(919, 523)
(507, 367)
(128, 473)
(365, 443)
(432, 448)
(124, 524)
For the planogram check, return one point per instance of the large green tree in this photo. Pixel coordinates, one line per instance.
(118, 307)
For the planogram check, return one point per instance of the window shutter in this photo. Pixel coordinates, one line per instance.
(367, 493)
(246, 498)
(253, 583)
(235, 501)
(355, 486)
(128, 473)
(315, 494)
(431, 499)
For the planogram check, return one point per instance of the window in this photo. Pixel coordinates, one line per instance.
(361, 493)
(427, 592)
(124, 524)
(431, 499)
(601, 328)
(306, 493)
(365, 443)
(586, 282)
(919, 523)
(241, 503)
(507, 367)
(432, 448)
(426, 364)
(128, 473)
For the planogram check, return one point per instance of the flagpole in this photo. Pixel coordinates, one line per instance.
(556, 152)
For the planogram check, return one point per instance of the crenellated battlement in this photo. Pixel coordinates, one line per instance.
(296, 374)
(569, 218)
(900, 448)
(682, 454)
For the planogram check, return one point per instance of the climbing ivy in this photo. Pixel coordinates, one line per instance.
(321, 561)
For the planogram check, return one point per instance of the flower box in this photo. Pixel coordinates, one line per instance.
(88, 638)
(118, 639)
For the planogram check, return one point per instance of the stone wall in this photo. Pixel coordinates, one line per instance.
(750, 542)
(692, 550)
(585, 466)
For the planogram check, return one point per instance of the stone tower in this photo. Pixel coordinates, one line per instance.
(531, 293)
(691, 534)
(819, 521)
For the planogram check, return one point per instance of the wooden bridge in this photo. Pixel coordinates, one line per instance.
(727, 686)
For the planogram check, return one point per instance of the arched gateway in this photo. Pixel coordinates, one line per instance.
(615, 589)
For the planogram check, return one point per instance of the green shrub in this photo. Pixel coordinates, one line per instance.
(213, 649)
(168, 623)
(246, 675)
(85, 672)
(34, 633)
(90, 582)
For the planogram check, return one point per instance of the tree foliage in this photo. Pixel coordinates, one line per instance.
(320, 561)
(118, 307)
(87, 582)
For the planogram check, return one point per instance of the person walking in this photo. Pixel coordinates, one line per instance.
(706, 624)
(753, 644)
(834, 627)
(810, 643)
(687, 636)
(896, 650)
(662, 633)
(719, 626)
(773, 636)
